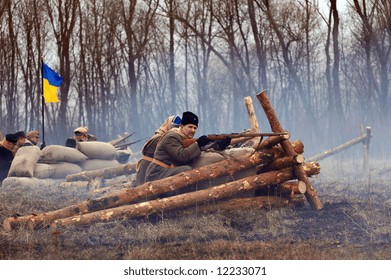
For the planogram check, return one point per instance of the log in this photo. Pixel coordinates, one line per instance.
(247, 203)
(254, 126)
(311, 194)
(105, 173)
(278, 152)
(271, 141)
(154, 188)
(280, 163)
(330, 152)
(293, 187)
(179, 201)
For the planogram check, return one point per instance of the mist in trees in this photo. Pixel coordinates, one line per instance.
(129, 64)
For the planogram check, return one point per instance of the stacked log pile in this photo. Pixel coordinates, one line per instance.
(274, 163)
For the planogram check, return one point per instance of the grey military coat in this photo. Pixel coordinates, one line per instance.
(171, 151)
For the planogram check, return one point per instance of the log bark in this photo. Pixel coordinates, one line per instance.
(311, 194)
(330, 152)
(254, 126)
(271, 141)
(278, 152)
(105, 173)
(247, 203)
(280, 163)
(149, 189)
(179, 201)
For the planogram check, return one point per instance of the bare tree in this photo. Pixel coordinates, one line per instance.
(63, 15)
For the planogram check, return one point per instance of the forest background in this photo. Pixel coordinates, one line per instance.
(129, 64)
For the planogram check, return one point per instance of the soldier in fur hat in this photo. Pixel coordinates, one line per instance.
(171, 157)
(32, 138)
(21, 136)
(148, 150)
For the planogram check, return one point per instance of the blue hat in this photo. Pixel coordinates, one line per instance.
(189, 118)
(176, 121)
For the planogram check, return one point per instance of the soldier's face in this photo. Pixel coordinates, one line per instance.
(21, 141)
(189, 130)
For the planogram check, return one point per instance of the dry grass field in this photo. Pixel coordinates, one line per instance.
(354, 224)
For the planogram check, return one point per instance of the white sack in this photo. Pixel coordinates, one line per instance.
(64, 169)
(57, 153)
(43, 170)
(24, 162)
(24, 182)
(97, 150)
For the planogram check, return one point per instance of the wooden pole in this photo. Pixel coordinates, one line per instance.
(311, 194)
(254, 126)
(339, 148)
(144, 191)
(366, 143)
(179, 201)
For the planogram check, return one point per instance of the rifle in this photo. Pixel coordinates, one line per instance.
(121, 138)
(121, 146)
(187, 142)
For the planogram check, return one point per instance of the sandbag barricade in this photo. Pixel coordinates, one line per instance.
(57, 162)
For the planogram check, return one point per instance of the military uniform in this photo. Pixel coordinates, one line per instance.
(149, 147)
(171, 157)
(6, 155)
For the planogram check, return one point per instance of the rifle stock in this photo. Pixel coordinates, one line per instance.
(215, 137)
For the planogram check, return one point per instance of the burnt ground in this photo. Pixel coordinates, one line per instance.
(355, 223)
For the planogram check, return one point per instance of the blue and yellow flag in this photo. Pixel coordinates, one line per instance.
(51, 82)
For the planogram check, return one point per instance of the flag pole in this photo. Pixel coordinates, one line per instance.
(43, 109)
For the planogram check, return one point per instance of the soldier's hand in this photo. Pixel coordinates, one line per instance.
(223, 144)
(203, 140)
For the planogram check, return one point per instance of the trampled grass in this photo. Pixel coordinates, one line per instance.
(355, 223)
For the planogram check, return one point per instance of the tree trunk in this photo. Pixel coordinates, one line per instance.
(311, 194)
(180, 201)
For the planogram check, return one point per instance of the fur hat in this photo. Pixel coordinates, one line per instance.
(11, 138)
(82, 129)
(32, 134)
(189, 118)
(20, 134)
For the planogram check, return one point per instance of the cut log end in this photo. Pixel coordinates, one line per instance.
(7, 224)
(299, 158)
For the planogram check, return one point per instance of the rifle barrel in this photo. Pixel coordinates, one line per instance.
(238, 135)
